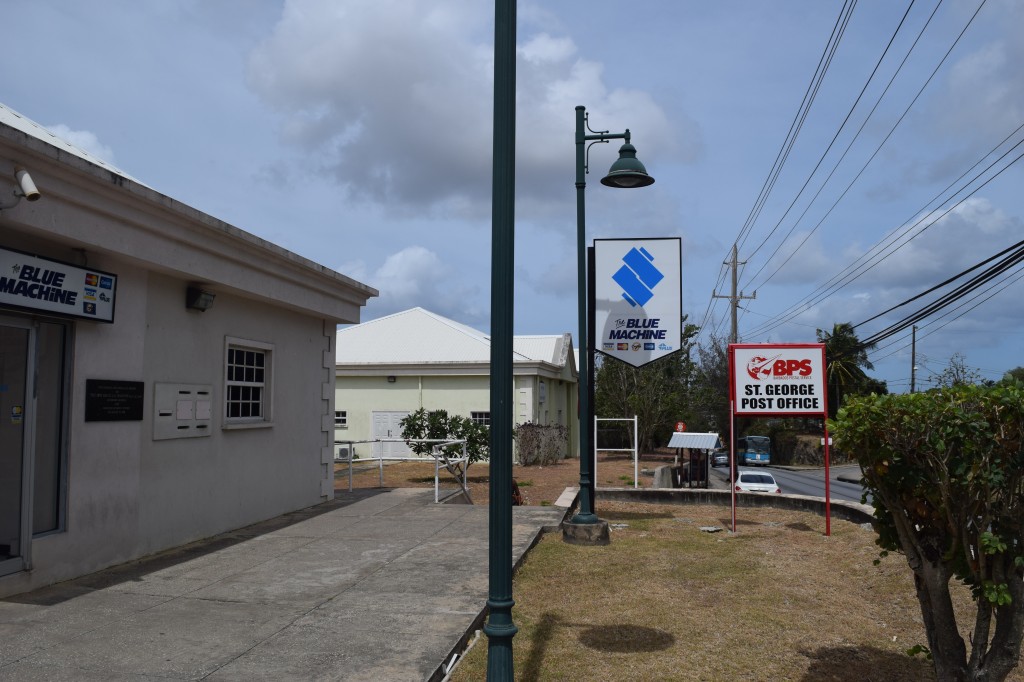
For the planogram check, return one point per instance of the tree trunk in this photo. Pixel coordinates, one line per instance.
(949, 653)
(1004, 652)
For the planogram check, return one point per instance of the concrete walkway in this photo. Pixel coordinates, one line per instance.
(375, 585)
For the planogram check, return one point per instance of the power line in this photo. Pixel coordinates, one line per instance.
(888, 246)
(763, 327)
(835, 137)
(849, 146)
(838, 30)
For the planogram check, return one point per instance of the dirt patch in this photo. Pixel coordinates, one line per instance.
(540, 485)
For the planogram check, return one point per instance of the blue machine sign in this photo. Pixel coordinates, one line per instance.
(35, 283)
(637, 298)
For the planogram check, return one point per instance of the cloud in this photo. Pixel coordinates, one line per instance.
(416, 276)
(393, 99)
(86, 141)
(984, 90)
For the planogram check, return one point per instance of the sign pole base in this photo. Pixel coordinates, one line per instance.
(586, 533)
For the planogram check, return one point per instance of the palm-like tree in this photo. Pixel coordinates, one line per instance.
(846, 358)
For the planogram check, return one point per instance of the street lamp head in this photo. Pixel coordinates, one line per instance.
(627, 171)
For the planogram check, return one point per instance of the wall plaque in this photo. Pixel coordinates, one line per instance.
(109, 400)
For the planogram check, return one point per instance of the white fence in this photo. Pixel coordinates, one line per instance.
(635, 449)
(456, 466)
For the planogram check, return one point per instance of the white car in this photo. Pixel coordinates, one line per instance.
(756, 482)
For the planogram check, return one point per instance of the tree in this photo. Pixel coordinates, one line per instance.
(439, 425)
(709, 390)
(846, 358)
(945, 470)
(957, 373)
(1015, 374)
(655, 393)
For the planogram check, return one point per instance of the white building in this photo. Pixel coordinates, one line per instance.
(131, 419)
(389, 367)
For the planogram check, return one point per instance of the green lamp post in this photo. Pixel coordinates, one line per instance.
(627, 172)
(499, 628)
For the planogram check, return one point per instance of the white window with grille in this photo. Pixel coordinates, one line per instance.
(483, 418)
(341, 419)
(248, 372)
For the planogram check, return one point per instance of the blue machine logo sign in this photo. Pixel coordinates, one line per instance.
(637, 298)
(638, 277)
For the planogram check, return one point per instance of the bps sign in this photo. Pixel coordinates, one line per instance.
(777, 380)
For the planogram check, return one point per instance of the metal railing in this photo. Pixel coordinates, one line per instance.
(456, 466)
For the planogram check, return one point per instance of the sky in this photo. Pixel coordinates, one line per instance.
(358, 134)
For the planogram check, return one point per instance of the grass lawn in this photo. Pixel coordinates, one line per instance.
(665, 601)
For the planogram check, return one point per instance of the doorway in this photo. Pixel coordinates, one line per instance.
(16, 344)
(389, 425)
(34, 374)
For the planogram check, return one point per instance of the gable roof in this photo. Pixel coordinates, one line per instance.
(164, 234)
(12, 118)
(418, 337)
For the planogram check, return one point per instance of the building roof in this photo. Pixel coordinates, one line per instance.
(418, 337)
(691, 439)
(166, 235)
(12, 118)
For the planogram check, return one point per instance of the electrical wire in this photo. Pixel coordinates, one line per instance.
(892, 130)
(888, 246)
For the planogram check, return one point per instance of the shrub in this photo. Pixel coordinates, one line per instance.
(945, 470)
(439, 425)
(540, 444)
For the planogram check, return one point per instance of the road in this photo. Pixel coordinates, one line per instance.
(812, 481)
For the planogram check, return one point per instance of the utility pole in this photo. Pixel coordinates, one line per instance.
(913, 357)
(734, 298)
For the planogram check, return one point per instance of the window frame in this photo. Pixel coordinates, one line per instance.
(341, 419)
(266, 401)
(482, 417)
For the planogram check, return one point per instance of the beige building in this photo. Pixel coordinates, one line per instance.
(389, 367)
(165, 376)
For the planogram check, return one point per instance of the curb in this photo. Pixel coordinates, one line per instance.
(841, 509)
(469, 639)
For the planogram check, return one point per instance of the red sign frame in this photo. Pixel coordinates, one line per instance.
(792, 371)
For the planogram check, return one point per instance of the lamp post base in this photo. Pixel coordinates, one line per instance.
(586, 533)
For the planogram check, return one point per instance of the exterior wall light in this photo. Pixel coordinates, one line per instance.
(199, 299)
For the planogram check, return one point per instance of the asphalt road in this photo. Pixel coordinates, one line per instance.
(812, 481)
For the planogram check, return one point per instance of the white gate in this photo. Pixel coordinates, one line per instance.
(635, 449)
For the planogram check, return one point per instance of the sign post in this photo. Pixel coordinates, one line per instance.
(779, 380)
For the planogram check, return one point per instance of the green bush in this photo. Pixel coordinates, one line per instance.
(439, 425)
(945, 470)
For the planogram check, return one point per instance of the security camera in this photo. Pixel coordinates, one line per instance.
(28, 188)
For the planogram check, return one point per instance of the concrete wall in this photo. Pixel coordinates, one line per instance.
(130, 495)
(853, 512)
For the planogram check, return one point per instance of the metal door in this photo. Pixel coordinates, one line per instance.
(17, 343)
